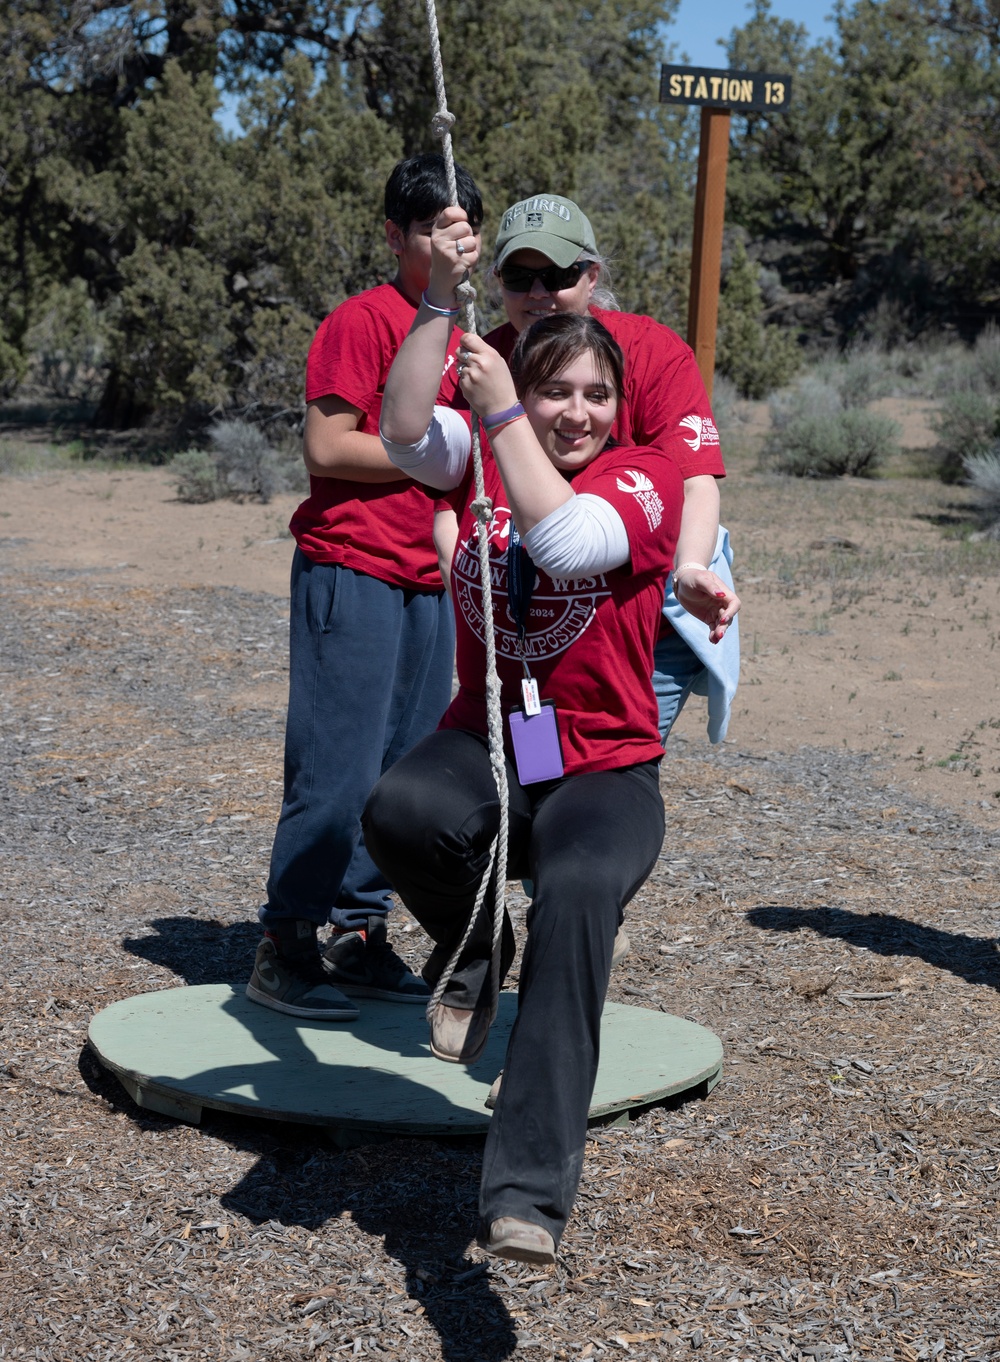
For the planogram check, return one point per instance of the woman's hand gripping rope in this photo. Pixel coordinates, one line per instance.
(486, 382)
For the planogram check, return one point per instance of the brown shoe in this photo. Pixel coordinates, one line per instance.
(621, 948)
(494, 1092)
(521, 1240)
(459, 1034)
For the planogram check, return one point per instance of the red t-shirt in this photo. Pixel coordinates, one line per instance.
(589, 640)
(665, 403)
(382, 529)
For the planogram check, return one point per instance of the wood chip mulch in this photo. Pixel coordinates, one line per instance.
(834, 1197)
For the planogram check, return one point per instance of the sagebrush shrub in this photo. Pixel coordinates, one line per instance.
(196, 474)
(248, 465)
(885, 325)
(869, 439)
(806, 446)
(983, 473)
(814, 434)
(241, 462)
(966, 424)
(863, 376)
(811, 395)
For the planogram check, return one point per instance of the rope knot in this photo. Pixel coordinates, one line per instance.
(442, 122)
(482, 509)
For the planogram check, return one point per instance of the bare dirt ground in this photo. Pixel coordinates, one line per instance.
(835, 1197)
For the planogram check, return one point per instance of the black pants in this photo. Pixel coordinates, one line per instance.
(588, 842)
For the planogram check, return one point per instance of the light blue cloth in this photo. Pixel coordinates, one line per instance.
(686, 661)
(719, 674)
(675, 670)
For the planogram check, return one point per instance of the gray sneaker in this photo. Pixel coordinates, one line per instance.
(290, 977)
(364, 965)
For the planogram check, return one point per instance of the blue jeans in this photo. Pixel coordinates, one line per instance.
(370, 669)
(675, 670)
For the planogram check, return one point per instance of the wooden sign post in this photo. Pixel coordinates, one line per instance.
(718, 93)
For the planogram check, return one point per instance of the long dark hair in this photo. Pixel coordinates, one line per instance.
(550, 344)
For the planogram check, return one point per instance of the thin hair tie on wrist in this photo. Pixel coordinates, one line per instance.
(441, 311)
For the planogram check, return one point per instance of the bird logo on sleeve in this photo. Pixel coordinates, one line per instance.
(702, 429)
(641, 487)
(634, 482)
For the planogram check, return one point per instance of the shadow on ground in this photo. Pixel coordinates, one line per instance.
(418, 1196)
(199, 952)
(972, 958)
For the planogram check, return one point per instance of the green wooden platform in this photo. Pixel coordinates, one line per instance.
(183, 1049)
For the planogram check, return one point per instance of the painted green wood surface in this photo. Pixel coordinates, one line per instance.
(183, 1049)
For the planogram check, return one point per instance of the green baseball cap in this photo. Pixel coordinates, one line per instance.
(547, 223)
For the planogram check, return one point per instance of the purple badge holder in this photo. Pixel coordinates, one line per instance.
(534, 727)
(537, 749)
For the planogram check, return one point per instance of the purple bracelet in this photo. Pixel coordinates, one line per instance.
(501, 416)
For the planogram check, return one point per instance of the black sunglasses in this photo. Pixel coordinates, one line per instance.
(519, 278)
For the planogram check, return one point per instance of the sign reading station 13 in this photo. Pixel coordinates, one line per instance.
(725, 89)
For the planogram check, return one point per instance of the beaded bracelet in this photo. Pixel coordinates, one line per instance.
(502, 418)
(441, 311)
(673, 576)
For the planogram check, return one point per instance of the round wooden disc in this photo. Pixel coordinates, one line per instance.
(183, 1049)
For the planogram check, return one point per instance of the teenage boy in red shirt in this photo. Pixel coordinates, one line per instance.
(371, 636)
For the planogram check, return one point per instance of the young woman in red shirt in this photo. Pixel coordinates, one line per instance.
(581, 541)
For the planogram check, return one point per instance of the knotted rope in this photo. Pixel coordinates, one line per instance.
(482, 508)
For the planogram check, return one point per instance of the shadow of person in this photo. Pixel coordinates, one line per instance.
(972, 958)
(418, 1196)
(199, 951)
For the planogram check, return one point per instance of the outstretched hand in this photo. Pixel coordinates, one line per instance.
(454, 251)
(708, 598)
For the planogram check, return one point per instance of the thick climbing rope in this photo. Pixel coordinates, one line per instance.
(482, 508)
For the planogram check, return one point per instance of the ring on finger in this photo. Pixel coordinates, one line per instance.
(459, 248)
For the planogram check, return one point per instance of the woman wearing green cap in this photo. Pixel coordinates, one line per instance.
(547, 261)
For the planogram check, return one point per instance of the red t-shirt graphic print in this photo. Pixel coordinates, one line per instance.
(589, 638)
